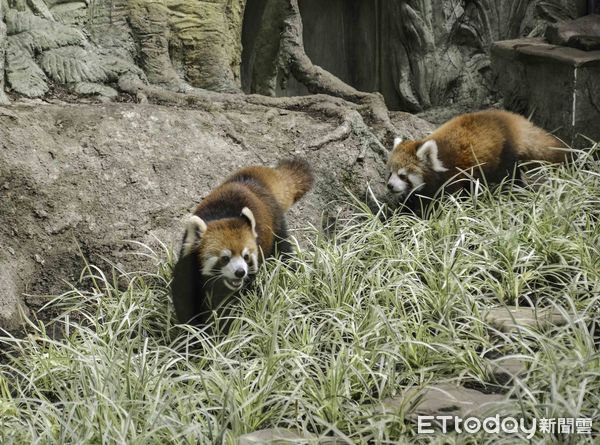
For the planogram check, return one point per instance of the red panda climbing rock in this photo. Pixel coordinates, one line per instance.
(487, 143)
(233, 229)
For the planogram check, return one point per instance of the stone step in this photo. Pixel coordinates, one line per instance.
(283, 436)
(506, 369)
(511, 318)
(275, 436)
(556, 85)
(444, 400)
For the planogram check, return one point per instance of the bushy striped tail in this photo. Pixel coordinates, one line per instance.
(536, 144)
(297, 178)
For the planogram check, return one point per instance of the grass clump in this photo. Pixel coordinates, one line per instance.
(353, 319)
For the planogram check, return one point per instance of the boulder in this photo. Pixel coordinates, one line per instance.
(78, 181)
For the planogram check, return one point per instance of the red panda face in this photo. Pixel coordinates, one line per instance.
(413, 165)
(227, 249)
(406, 173)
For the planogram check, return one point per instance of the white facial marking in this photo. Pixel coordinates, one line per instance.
(253, 264)
(428, 153)
(397, 141)
(397, 185)
(194, 229)
(208, 265)
(416, 180)
(402, 182)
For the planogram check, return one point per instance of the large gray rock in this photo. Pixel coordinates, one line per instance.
(83, 179)
(275, 436)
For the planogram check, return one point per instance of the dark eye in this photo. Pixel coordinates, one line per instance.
(225, 259)
(403, 177)
(246, 257)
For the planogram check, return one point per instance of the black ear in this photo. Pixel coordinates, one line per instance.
(249, 216)
(185, 287)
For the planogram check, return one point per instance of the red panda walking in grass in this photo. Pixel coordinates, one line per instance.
(233, 229)
(485, 144)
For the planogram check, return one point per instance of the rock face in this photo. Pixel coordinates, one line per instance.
(176, 43)
(82, 179)
(3, 98)
(509, 319)
(445, 399)
(417, 53)
(583, 33)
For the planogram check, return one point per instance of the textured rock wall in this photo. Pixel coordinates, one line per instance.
(3, 98)
(418, 53)
(83, 179)
(88, 46)
(207, 41)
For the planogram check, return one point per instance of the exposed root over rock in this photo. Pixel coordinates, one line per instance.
(348, 113)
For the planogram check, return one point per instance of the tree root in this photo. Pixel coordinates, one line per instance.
(359, 113)
(317, 80)
(347, 113)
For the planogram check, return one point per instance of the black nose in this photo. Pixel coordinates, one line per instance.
(240, 273)
(390, 186)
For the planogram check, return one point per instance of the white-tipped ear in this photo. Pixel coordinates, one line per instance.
(428, 153)
(397, 141)
(194, 229)
(250, 216)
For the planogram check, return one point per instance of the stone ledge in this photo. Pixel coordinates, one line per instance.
(509, 319)
(557, 86)
(538, 48)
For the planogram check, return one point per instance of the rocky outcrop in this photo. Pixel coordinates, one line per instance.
(171, 43)
(78, 181)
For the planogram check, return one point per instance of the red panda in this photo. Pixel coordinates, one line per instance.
(233, 229)
(485, 144)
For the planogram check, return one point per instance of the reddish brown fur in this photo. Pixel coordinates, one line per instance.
(268, 192)
(488, 142)
(226, 232)
(288, 182)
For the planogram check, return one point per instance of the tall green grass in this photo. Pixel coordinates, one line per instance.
(352, 319)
